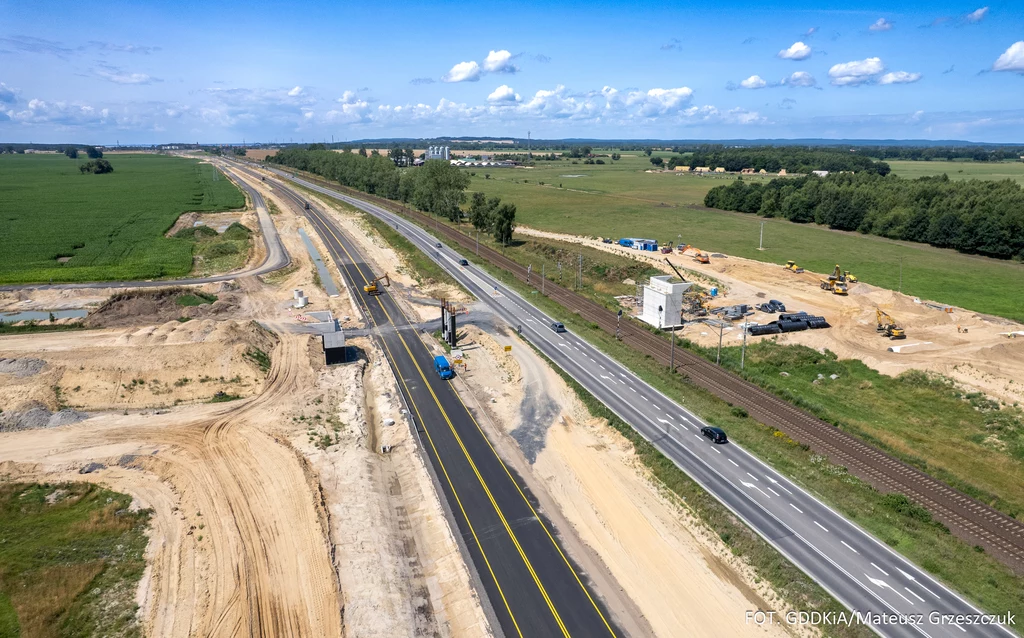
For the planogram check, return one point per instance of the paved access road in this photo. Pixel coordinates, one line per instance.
(277, 256)
(533, 588)
(859, 570)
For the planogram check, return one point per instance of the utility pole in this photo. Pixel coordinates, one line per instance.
(672, 352)
(581, 270)
(478, 243)
(760, 243)
(743, 350)
(543, 278)
(721, 328)
(529, 271)
(618, 326)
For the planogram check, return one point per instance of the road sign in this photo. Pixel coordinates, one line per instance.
(508, 348)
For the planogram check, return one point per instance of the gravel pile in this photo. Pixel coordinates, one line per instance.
(24, 367)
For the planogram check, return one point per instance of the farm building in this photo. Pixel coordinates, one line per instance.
(762, 172)
(782, 172)
(438, 152)
(702, 169)
(682, 169)
(720, 169)
(747, 171)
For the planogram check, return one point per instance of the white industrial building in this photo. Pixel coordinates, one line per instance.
(662, 293)
(438, 153)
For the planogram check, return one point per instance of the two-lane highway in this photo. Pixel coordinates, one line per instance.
(533, 587)
(892, 596)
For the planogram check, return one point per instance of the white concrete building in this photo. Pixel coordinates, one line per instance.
(662, 293)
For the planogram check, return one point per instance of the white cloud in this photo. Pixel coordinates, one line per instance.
(658, 102)
(499, 62)
(977, 15)
(6, 94)
(856, 72)
(753, 82)
(120, 76)
(800, 78)
(1012, 59)
(295, 92)
(799, 51)
(881, 25)
(463, 72)
(899, 77)
(503, 95)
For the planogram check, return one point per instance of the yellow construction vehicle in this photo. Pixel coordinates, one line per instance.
(372, 289)
(888, 326)
(791, 266)
(849, 277)
(701, 257)
(835, 286)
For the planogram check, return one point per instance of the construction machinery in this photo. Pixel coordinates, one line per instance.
(667, 249)
(682, 249)
(372, 289)
(701, 257)
(792, 267)
(850, 277)
(835, 287)
(888, 326)
(673, 267)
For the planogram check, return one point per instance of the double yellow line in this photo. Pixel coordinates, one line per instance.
(483, 483)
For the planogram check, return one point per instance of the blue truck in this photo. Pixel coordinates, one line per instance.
(443, 368)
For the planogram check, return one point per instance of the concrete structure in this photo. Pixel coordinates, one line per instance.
(662, 293)
(439, 153)
(334, 347)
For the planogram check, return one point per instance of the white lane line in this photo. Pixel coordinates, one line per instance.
(643, 398)
(850, 548)
(623, 376)
(824, 528)
(666, 422)
(730, 460)
(880, 569)
(698, 438)
(609, 378)
(914, 594)
(774, 492)
(719, 452)
(632, 388)
(778, 485)
(752, 476)
(960, 628)
(796, 508)
(912, 579)
(603, 368)
(564, 345)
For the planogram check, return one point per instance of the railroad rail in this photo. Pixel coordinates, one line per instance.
(968, 518)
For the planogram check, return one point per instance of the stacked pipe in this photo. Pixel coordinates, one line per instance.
(790, 322)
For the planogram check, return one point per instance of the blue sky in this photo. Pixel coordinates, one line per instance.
(142, 72)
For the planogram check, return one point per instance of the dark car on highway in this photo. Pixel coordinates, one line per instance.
(463, 262)
(558, 326)
(717, 435)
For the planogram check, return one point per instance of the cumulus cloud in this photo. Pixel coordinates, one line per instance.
(810, 32)
(295, 92)
(899, 77)
(63, 114)
(504, 94)
(753, 82)
(856, 72)
(976, 16)
(800, 79)
(881, 25)
(499, 62)
(1012, 59)
(799, 51)
(463, 72)
(6, 94)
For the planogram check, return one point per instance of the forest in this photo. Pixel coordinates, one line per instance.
(437, 187)
(794, 159)
(971, 216)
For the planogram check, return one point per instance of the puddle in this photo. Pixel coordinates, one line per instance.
(41, 315)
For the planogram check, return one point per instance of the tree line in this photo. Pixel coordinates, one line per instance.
(436, 187)
(972, 216)
(772, 159)
(947, 153)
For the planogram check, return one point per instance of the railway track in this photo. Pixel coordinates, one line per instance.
(969, 519)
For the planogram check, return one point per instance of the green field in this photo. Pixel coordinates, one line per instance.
(959, 170)
(621, 200)
(58, 224)
(71, 556)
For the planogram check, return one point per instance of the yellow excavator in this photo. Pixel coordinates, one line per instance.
(372, 289)
(792, 267)
(888, 326)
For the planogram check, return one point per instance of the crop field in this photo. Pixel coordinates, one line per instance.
(960, 170)
(61, 225)
(621, 200)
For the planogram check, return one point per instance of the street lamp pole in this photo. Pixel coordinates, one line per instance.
(721, 328)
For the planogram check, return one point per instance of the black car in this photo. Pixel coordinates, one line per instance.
(558, 326)
(778, 305)
(717, 435)
(463, 262)
(437, 245)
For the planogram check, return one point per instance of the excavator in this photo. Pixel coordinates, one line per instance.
(372, 289)
(701, 257)
(682, 249)
(673, 267)
(792, 267)
(887, 325)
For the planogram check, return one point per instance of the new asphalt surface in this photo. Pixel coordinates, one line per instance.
(888, 593)
(534, 589)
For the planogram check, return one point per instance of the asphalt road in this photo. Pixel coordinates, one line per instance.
(533, 588)
(894, 597)
(277, 257)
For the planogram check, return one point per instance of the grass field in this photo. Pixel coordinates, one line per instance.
(617, 200)
(960, 170)
(59, 224)
(71, 556)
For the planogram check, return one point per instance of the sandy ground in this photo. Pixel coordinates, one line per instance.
(983, 358)
(266, 520)
(679, 578)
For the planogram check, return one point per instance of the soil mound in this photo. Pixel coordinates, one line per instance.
(137, 307)
(24, 367)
